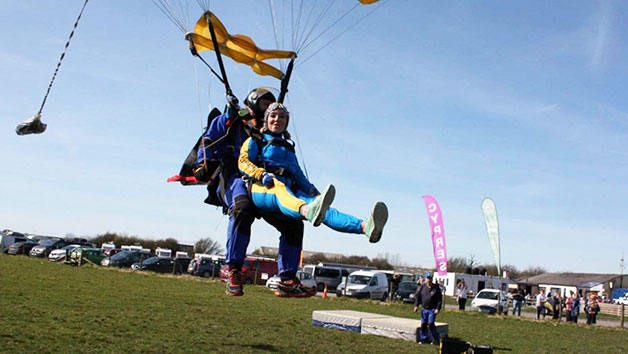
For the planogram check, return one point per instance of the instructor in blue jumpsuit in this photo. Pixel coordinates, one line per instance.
(222, 143)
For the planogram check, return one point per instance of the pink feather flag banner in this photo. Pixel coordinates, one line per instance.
(438, 233)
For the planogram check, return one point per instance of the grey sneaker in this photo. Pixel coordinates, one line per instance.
(375, 223)
(317, 208)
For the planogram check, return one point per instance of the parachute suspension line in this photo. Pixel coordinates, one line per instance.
(309, 16)
(198, 95)
(295, 27)
(316, 23)
(305, 46)
(273, 19)
(341, 33)
(195, 53)
(205, 5)
(165, 6)
(296, 135)
(54, 76)
(224, 80)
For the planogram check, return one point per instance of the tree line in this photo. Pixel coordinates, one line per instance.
(204, 245)
(470, 265)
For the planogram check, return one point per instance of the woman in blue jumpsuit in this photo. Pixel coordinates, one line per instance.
(278, 184)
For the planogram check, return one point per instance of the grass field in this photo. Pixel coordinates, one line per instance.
(49, 307)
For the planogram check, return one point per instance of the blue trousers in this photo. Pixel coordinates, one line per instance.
(516, 306)
(241, 216)
(280, 199)
(428, 319)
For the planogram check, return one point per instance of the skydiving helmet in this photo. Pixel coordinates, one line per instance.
(253, 98)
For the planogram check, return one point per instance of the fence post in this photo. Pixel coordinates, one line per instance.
(622, 313)
(255, 281)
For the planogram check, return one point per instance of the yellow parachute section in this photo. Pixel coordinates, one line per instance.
(238, 47)
(368, 2)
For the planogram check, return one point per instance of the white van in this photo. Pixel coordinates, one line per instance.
(365, 284)
(8, 237)
(323, 275)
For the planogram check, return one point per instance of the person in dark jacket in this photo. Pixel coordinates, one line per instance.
(430, 297)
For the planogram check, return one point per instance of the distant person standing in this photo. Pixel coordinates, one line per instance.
(540, 304)
(430, 297)
(575, 307)
(556, 306)
(394, 285)
(517, 300)
(568, 306)
(591, 308)
(461, 293)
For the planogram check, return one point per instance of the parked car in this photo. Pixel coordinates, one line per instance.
(365, 284)
(406, 291)
(111, 251)
(8, 237)
(56, 255)
(161, 265)
(622, 300)
(184, 262)
(324, 275)
(306, 279)
(94, 255)
(254, 270)
(490, 301)
(207, 267)
(46, 246)
(22, 247)
(126, 258)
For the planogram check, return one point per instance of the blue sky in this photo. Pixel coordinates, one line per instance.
(521, 102)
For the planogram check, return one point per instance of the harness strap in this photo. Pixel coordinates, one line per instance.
(288, 144)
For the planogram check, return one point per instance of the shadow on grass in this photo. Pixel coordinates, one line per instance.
(256, 347)
(451, 345)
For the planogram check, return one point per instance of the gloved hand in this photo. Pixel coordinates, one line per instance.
(232, 101)
(313, 192)
(267, 180)
(233, 106)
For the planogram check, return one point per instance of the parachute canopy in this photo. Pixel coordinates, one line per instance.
(238, 47)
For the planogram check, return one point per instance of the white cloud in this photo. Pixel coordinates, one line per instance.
(600, 36)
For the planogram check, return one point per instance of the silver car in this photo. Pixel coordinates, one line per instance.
(306, 279)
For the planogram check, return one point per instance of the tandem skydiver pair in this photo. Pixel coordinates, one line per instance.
(250, 154)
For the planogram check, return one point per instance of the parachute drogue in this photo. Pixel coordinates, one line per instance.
(34, 125)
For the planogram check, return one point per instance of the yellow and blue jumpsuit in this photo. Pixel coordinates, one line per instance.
(275, 154)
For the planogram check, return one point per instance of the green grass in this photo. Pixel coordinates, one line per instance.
(49, 307)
